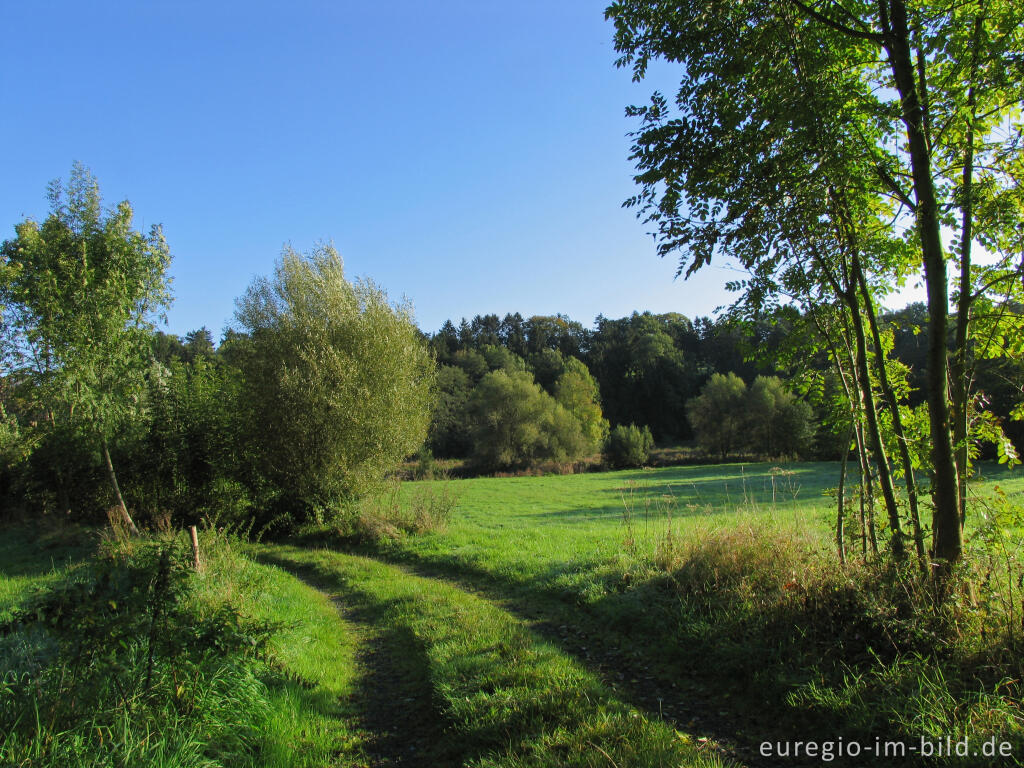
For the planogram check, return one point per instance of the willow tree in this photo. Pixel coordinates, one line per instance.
(883, 104)
(80, 292)
(338, 383)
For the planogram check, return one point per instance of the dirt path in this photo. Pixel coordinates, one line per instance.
(681, 701)
(395, 699)
(406, 722)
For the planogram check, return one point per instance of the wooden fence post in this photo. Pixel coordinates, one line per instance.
(195, 547)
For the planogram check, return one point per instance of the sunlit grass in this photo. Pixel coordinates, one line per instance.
(504, 697)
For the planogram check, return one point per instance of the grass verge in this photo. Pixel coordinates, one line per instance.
(135, 659)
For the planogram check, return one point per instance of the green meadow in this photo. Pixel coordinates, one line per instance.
(677, 616)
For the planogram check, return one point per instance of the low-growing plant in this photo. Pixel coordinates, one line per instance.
(392, 514)
(628, 446)
(425, 464)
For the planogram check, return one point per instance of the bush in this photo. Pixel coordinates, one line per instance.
(628, 446)
(515, 423)
(338, 383)
(779, 423)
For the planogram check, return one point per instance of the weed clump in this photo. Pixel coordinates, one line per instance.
(389, 515)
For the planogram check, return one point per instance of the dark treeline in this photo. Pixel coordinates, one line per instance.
(648, 367)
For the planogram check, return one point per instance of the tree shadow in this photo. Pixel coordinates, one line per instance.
(394, 699)
(30, 552)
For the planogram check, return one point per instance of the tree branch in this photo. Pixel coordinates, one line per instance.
(894, 186)
(873, 37)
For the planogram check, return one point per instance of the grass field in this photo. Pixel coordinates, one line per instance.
(678, 616)
(582, 558)
(521, 528)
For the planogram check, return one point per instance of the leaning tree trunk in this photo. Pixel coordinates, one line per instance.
(125, 517)
(875, 433)
(897, 419)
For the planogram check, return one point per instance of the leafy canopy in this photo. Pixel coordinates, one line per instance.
(338, 381)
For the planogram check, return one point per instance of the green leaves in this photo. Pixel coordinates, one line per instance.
(337, 383)
(80, 293)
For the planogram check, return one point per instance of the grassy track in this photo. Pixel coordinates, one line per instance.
(494, 694)
(313, 714)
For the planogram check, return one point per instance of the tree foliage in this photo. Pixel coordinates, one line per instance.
(337, 381)
(577, 392)
(515, 423)
(826, 145)
(718, 414)
(79, 294)
(628, 446)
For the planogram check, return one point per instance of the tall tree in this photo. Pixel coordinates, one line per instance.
(80, 292)
(339, 382)
(899, 93)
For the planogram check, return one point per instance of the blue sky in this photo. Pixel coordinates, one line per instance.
(471, 156)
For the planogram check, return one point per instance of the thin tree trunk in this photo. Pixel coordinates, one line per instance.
(125, 517)
(897, 420)
(841, 501)
(875, 434)
(854, 419)
(847, 292)
(864, 479)
(961, 365)
(947, 542)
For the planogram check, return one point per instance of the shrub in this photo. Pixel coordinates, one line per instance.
(628, 446)
(515, 423)
(766, 419)
(338, 383)
(779, 423)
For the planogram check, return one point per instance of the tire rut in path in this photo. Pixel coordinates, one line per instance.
(684, 704)
(393, 695)
(395, 699)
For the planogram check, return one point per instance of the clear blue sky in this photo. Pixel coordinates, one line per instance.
(471, 156)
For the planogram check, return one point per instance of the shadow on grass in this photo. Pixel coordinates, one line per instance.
(394, 696)
(27, 552)
(655, 652)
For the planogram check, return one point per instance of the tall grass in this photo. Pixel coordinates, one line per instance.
(137, 660)
(869, 644)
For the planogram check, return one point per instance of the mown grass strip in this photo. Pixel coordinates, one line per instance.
(506, 698)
